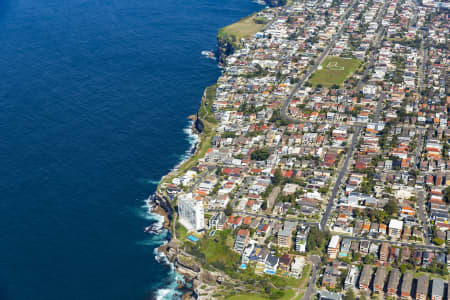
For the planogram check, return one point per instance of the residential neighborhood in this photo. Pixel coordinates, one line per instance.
(324, 155)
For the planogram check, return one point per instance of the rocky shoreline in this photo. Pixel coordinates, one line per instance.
(198, 282)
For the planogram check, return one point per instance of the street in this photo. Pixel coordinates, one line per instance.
(311, 288)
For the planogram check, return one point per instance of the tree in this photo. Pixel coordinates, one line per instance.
(403, 268)
(356, 256)
(228, 210)
(391, 207)
(369, 259)
(264, 205)
(260, 154)
(349, 295)
(438, 241)
(317, 239)
(447, 194)
(277, 177)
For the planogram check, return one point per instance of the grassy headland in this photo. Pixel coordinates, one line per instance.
(244, 28)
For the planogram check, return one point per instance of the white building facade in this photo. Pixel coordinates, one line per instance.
(191, 212)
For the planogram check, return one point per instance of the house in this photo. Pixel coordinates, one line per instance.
(380, 278)
(333, 246)
(297, 266)
(217, 221)
(384, 251)
(285, 262)
(437, 289)
(271, 264)
(405, 254)
(394, 280)
(364, 247)
(290, 189)
(263, 229)
(395, 228)
(351, 279)
(427, 258)
(241, 240)
(326, 295)
(366, 277)
(382, 229)
(345, 247)
(330, 276)
(405, 291)
(246, 254)
(422, 287)
(301, 238)
(234, 222)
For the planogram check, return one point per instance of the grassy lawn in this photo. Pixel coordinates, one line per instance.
(206, 105)
(180, 231)
(205, 144)
(243, 28)
(215, 252)
(288, 294)
(246, 297)
(334, 70)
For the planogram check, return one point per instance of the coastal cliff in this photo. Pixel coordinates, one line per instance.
(275, 3)
(202, 281)
(224, 48)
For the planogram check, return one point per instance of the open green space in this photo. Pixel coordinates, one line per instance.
(289, 287)
(244, 28)
(215, 251)
(334, 71)
(180, 231)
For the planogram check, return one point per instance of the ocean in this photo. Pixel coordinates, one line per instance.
(94, 100)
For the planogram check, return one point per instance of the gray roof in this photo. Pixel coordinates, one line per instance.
(326, 295)
(438, 287)
(380, 276)
(394, 279)
(290, 224)
(285, 232)
(272, 260)
(422, 284)
(366, 275)
(407, 282)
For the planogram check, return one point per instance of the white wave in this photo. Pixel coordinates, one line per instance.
(260, 2)
(192, 138)
(154, 182)
(169, 292)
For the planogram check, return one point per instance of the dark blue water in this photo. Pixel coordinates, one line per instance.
(94, 96)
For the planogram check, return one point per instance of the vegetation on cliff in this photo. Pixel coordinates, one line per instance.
(244, 28)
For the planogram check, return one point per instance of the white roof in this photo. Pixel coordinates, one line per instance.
(396, 224)
(334, 242)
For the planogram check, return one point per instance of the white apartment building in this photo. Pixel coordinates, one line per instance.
(191, 212)
(333, 246)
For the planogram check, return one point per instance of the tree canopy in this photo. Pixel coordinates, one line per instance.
(391, 207)
(260, 154)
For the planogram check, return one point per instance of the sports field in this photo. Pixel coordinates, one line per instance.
(334, 70)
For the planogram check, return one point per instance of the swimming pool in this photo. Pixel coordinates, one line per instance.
(193, 238)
